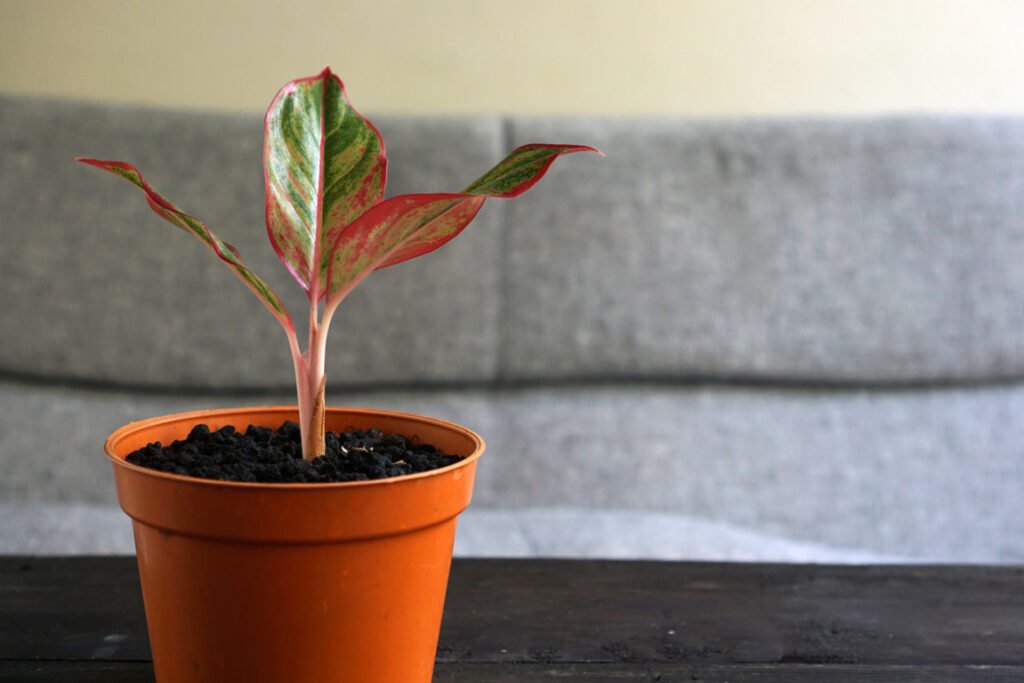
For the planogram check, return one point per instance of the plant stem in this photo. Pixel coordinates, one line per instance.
(313, 437)
(310, 385)
(317, 432)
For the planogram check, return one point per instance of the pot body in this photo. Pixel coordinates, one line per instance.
(294, 583)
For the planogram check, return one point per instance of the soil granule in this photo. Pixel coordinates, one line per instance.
(267, 455)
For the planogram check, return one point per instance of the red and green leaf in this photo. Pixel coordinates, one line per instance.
(521, 170)
(324, 166)
(407, 226)
(227, 253)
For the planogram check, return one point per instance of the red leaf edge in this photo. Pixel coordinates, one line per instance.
(566, 149)
(324, 74)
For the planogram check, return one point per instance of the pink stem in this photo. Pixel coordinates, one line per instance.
(303, 393)
(309, 384)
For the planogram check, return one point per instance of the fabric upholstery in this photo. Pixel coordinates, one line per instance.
(875, 250)
(883, 250)
(749, 339)
(927, 474)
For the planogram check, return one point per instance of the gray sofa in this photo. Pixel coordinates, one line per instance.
(796, 340)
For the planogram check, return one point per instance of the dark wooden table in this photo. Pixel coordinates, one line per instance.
(78, 620)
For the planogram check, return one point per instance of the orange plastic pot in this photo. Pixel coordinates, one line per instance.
(294, 583)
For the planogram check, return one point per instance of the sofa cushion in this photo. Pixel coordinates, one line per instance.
(106, 291)
(858, 250)
(865, 250)
(632, 535)
(884, 250)
(927, 474)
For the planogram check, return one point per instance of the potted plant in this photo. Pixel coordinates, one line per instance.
(336, 580)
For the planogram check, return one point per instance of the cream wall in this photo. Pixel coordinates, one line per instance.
(528, 56)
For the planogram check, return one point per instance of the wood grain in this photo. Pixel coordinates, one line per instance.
(448, 672)
(538, 620)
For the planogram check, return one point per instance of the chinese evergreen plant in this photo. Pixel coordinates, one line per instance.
(325, 168)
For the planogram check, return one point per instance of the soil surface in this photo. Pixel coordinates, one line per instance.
(267, 455)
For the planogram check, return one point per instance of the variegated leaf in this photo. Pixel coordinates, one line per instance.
(521, 170)
(408, 226)
(227, 253)
(391, 231)
(324, 165)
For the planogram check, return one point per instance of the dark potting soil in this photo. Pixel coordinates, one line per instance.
(261, 454)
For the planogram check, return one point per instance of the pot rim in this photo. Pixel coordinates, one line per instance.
(114, 439)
